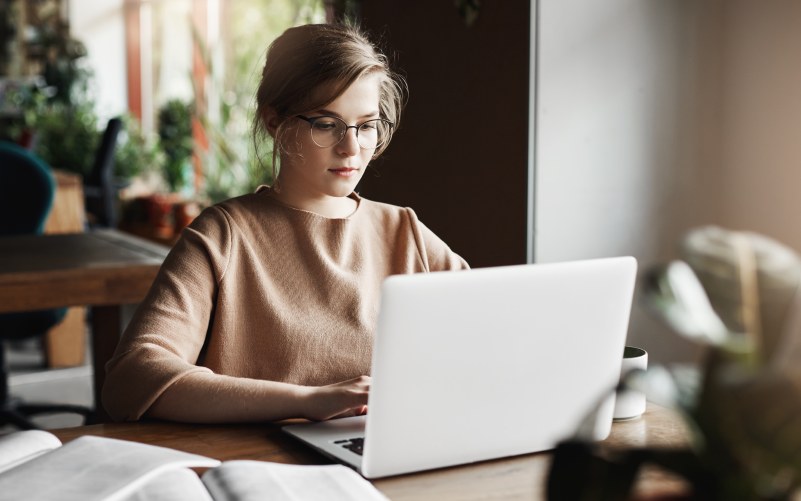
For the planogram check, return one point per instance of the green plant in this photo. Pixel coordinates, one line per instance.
(55, 104)
(67, 78)
(224, 182)
(67, 136)
(136, 152)
(24, 100)
(175, 133)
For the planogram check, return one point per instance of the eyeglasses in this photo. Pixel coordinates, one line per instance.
(329, 131)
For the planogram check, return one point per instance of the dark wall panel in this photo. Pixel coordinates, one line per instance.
(459, 158)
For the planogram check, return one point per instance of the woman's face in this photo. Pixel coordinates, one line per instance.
(335, 170)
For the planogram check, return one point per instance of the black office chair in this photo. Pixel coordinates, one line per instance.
(26, 197)
(100, 187)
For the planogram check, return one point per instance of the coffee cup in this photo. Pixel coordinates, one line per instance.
(630, 403)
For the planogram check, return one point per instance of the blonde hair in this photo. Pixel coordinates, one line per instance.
(306, 58)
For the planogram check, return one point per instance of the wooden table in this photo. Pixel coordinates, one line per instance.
(517, 478)
(103, 269)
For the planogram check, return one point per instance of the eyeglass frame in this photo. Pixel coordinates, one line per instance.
(347, 127)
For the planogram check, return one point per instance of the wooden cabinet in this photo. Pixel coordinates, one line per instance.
(67, 214)
(65, 344)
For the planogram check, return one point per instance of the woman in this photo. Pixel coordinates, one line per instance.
(266, 307)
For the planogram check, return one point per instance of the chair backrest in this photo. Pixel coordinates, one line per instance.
(99, 188)
(27, 189)
(102, 170)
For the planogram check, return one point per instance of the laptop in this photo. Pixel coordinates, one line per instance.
(487, 363)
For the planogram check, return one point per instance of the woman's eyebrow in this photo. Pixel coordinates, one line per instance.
(328, 112)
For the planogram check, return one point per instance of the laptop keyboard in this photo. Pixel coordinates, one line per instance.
(355, 445)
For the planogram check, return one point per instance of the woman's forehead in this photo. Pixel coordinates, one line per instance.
(361, 97)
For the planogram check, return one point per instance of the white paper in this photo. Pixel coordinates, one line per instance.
(259, 481)
(93, 469)
(17, 448)
(174, 485)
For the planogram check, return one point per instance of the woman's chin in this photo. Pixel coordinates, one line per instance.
(343, 187)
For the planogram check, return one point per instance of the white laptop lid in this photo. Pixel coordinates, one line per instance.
(494, 362)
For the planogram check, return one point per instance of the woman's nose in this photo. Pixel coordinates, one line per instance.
(349, 144)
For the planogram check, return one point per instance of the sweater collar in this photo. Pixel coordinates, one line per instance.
(266, 190)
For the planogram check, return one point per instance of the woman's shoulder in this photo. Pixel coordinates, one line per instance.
(385, 212)
(403, 224)
(244, 208)
(224, 222)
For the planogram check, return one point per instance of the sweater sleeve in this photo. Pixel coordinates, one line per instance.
(168, 330)
(435, 253)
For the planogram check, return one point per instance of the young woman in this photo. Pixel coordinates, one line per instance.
(266, 307)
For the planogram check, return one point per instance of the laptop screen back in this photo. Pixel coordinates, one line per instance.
(481, 364)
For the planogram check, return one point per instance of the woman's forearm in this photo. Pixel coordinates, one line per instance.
(212, 398)
(201, 397)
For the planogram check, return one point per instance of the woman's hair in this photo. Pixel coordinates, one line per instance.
(307, 59)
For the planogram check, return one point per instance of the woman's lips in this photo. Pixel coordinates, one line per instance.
(344, 172)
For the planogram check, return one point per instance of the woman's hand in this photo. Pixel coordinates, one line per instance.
(345, 399)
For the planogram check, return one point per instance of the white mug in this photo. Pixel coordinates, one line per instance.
(630, 404)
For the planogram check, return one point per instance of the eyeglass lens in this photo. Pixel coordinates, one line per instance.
(330, 131)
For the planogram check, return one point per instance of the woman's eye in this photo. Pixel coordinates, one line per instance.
(326, 126)
(367, 127)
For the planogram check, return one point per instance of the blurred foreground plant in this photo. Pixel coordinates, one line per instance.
(745, 416)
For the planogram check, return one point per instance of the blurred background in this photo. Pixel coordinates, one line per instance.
(142, 110)
(180, 74)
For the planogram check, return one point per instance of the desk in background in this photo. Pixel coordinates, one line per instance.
(103, 269)
(517, 478)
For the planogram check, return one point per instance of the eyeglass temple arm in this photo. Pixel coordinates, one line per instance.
(310, 120)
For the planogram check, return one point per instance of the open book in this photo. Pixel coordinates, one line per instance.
(35, 466)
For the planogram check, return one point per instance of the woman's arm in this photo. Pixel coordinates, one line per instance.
(163, 341)
(201, 397)
(154, 371)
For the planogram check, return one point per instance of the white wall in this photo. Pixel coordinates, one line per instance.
(626, 142)
(100, 25)
(761, 119)
(176, 52)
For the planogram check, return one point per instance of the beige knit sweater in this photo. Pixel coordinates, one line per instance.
(257, 289)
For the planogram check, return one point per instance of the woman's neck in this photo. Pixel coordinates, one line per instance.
(324, 205)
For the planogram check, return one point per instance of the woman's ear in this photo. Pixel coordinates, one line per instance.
(271, 121)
